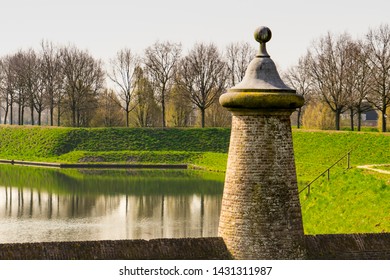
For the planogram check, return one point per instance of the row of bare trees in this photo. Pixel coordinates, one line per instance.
(57, 80)
(197, 78)
(72, 88)
(346, 74)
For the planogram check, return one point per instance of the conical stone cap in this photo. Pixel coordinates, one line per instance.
(261, 87)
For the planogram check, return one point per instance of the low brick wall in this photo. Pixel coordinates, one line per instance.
(156, 249)
(348, 246)
(319, 247)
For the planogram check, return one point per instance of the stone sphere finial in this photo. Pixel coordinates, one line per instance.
(262, 35)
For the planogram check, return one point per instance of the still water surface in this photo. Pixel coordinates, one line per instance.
(40, 204)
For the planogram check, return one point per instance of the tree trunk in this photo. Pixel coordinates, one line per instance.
(351, 116)
(127, 115)
(384, 119)
(73, 114)
(6, 114)
(40, 117)
(51, 112)
(11, 113)
(163, 109)
(203, 110)
(299, 118)
(337, 115)
(22, 116)
(359, 124)
(59, 115)
(19, 115)
(32, 114)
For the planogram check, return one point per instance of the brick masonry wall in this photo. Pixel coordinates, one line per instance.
(261, 214)
(319, 247)
(156, 249)
(375, 246)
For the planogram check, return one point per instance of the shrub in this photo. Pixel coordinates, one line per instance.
(319, 116)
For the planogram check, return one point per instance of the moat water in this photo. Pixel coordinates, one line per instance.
(43, 204)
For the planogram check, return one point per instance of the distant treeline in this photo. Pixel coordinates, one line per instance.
(66, 86)
(340, 75)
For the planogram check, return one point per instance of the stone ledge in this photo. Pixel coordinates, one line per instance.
(370, 246)
(212, 248)
(319, 247)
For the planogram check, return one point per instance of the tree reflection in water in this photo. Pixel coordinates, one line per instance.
(38, 204)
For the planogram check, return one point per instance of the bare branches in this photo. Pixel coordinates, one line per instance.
(238, 57)
(52, 79)
(328, 68)
(378, 53)
(203, 76)
(299, 77)
(83, 81)
(161, 60)
(123, 74)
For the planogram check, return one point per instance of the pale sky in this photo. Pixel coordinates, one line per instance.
(106, 26)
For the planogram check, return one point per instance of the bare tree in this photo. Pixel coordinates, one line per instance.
(161, 60)
(238, 56)
(328, 67)
(18, 83)
(3, 91)
(358, 80)
(84, 80)
(52, 79)
(378, 50)
(31, 77)
(8, 93)
(203, 76)
(299, 78)
(123, 75)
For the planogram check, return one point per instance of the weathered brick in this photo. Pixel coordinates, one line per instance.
(261, 215)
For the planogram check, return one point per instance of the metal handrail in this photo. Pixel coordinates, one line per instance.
(348, 155)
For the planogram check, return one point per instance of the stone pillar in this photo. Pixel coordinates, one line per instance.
(261, 214)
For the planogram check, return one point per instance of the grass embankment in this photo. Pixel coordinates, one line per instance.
(198, 147)
(354, 200)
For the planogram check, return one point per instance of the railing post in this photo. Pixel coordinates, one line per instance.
(348, 155)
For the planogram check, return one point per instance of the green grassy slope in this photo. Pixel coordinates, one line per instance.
(43, 141)
(315, 151)
(353, 200)
(205, 147)
(33, 142)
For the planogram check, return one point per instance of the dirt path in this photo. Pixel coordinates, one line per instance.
(374, 167)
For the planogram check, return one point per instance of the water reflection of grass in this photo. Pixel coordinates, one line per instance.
(140, 182)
